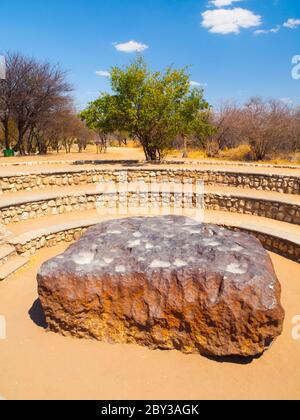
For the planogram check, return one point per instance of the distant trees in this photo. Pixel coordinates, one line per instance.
(228, 129)
(159, 110)
(36, 111)
(267, 126)
(153, 107)
(293, 135)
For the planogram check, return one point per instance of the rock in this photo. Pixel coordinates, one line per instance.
(167, 283)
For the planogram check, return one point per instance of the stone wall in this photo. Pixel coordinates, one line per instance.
(277, 245)
(266, 182)
(280, 211)
(134, 162)
(237, 203)
(283, 212)
(31, 246)
(34, 210)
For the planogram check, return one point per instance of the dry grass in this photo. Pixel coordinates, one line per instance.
(293, 159)
(193, 154)
(240, 153)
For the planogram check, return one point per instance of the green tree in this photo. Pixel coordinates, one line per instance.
(194, 120)
(153, 107)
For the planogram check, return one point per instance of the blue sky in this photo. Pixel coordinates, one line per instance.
(236, 50)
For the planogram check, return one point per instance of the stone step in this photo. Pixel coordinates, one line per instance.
(28, 234)
(5, 252)
(58, 167)
(48, 194)
(21, 206)
(12, 265)
(52, 224)
(281, 180)
(166, 162)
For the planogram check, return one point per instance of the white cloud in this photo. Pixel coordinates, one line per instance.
(103, 73)
(292, 23)
(268, 31)
(287, 101)
(130, 47)
(222, 3)
(227, 21)
(197, 84)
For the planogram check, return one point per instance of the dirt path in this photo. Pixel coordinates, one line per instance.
(112, 153)
(40, 365)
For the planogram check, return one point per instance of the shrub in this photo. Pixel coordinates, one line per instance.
(239, 153)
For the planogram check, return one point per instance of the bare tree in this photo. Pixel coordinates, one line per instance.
(16, 70)
(101, 141)
(227, 119)
(122, 137)
(265, 127)
(31, 92)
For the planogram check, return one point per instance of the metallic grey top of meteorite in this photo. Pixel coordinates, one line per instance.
(140, 244)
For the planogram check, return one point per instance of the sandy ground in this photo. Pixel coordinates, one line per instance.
(112, 153)
(124, 153)
(35, 364)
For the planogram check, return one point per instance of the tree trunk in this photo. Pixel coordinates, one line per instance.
(20, 146)
(30, 148)
(6, 135)
(152, 153)
(185, 147)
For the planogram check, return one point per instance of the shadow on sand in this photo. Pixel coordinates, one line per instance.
(235, 360)
(36, 314)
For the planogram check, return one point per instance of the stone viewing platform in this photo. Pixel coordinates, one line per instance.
(168, 283)
(62, 199)
(24, 205)
(47, 206)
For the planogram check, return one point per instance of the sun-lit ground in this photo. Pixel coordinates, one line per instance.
(41, 365)
(113, 153)
(36, 364)
(133, 152)
(57, 162)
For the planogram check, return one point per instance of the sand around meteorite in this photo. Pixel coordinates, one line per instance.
(168, 283)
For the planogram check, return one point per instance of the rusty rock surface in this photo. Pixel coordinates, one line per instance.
(167, 283)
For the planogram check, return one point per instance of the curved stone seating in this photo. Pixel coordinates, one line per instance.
(134, 161)
(286, 183)
(278, 237)
(44, 208)
(21, 206)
